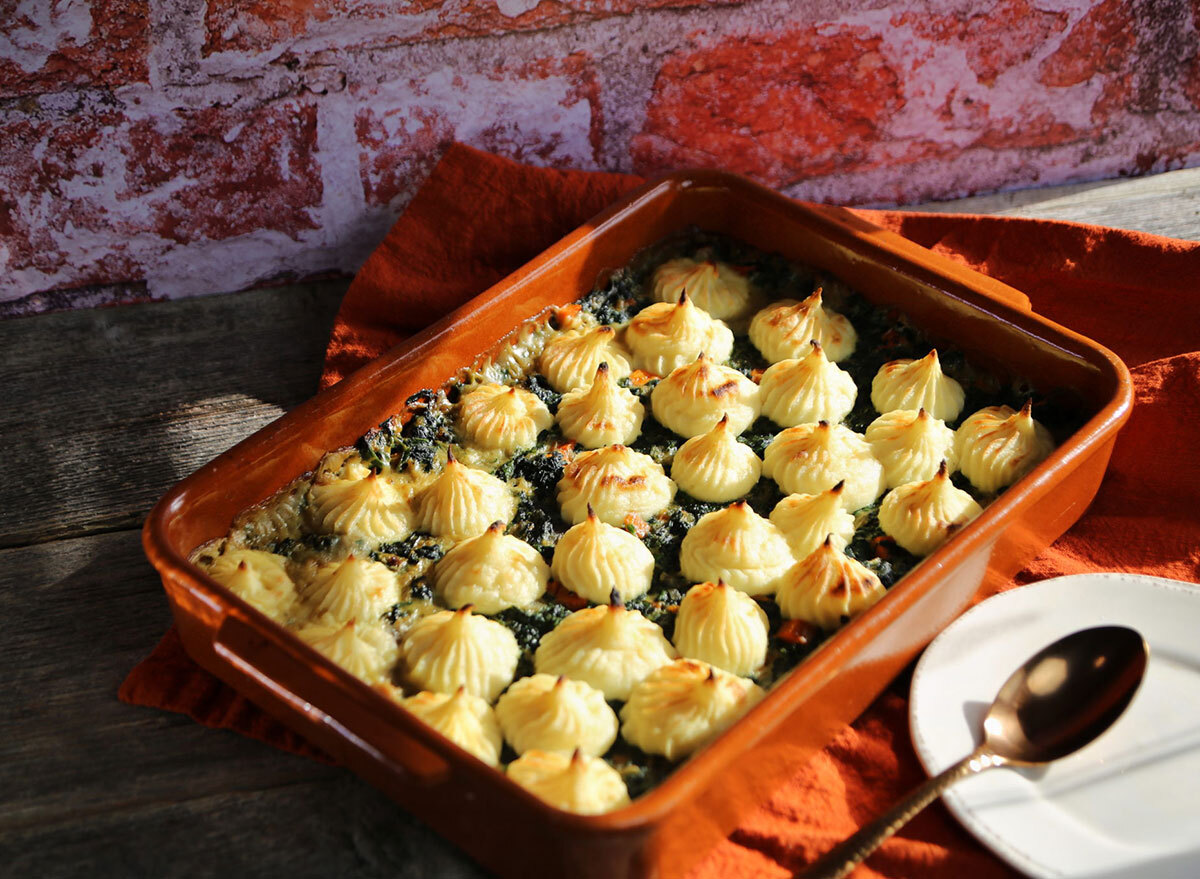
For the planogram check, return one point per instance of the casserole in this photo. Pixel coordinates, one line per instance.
(664, 831)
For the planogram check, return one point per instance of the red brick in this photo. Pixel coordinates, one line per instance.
(100, 43)
(229, 171)
(89, 196)
(39, 161)
(1118, 94)
(1103, 41)
(1191, 81)
(780, 107)
(255, 25)
(994, 36)
(402, 132)
(1190, 66)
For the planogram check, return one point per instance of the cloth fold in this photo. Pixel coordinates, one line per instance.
(479, 217)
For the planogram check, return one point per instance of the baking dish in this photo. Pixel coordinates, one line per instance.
(663, 832)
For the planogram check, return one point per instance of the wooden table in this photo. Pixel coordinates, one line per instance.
(104, 409)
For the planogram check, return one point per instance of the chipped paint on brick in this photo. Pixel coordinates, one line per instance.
(49, 44)
(1100, 42)
(993, 36)
(543, 112)
(214, 173)
(270, 26)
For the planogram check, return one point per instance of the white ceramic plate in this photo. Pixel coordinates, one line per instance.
(1128, 805)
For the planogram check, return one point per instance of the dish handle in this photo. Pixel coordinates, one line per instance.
(329, 710)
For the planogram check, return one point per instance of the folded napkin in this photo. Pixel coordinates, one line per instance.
(479, 217)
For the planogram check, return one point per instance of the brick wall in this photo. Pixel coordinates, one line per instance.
(161, 148)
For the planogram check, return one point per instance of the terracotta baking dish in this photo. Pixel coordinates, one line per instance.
(665, 831)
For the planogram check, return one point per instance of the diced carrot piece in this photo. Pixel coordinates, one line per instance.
(566, 315)
(565, 596)
(796, 632)
(635, 523)
(567, 448)
(639, 377)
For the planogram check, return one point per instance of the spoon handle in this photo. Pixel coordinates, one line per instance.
(846, 855)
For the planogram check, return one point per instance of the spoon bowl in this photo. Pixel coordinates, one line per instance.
(1065, 695)
(1060, 700)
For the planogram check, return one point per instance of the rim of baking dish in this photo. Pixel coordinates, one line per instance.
(1002, 303)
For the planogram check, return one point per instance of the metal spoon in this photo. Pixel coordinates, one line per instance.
(1059, 700)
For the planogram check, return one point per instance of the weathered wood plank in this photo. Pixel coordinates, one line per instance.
(82, 613)
(307, 830)
(127, 791)
(1164, 204)
(108, 407)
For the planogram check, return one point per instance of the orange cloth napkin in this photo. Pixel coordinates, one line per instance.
(479, 217)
